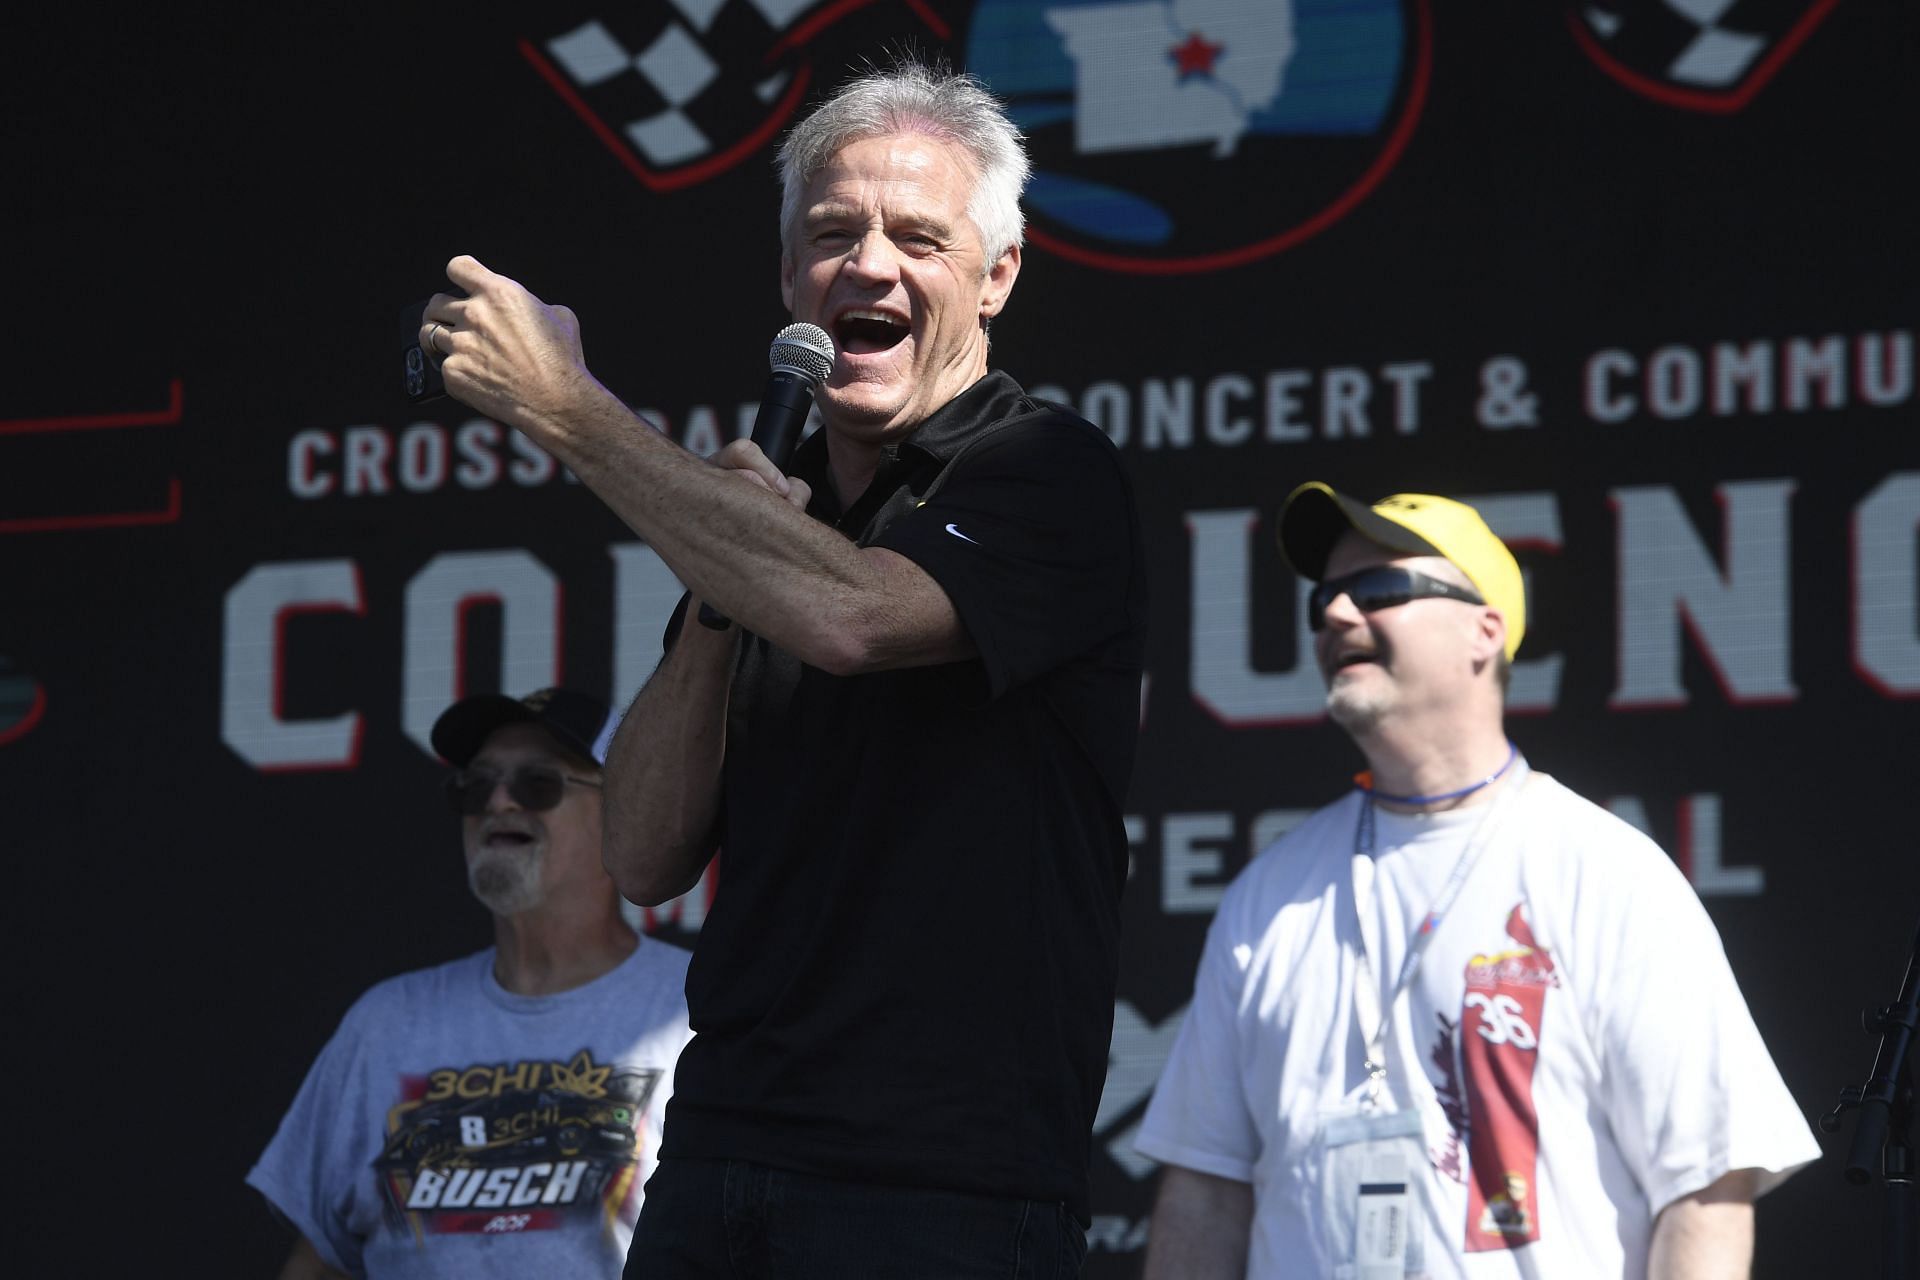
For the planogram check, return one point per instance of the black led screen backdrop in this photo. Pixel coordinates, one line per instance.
(1640, 283)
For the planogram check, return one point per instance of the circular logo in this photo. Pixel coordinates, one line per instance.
(22, 702)
(1179, 136)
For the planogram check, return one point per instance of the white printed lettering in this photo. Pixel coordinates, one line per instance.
(1739, 620)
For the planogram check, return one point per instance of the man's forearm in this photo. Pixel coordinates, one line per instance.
(1200, 1228)
(758, 560)
(738, 545)
(745, 549)
(1707, 1235)
(662, 781)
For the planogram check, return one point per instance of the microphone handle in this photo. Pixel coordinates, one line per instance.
(776, 429)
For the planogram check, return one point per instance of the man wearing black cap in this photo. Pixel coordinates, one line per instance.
(498, 1115)
(1460, 1023)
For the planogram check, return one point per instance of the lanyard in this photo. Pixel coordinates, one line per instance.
(1366, 996)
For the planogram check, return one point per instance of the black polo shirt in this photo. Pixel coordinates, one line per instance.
(907, 975)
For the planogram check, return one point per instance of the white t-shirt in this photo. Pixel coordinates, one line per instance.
(452, 1128)
(1573, 1040)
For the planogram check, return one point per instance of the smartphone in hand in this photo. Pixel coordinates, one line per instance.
(420, 372)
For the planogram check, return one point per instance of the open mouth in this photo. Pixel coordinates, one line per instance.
(508, 839)
(864, 332)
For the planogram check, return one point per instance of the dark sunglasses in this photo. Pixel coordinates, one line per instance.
(532, 787)
(1381, 587)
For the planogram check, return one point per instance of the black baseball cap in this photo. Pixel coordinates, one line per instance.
(576, 721)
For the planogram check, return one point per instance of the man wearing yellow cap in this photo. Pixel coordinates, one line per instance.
(1461, 1022)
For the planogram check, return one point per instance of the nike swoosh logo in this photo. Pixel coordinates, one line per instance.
(956, 533)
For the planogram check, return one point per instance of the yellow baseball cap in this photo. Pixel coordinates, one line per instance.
(1314, 517)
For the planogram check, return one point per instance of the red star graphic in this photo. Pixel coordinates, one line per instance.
(1194, 56)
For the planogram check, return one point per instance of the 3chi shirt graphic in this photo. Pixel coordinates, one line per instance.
(529, 1145)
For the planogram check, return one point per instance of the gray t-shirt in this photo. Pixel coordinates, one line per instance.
(452, 1128)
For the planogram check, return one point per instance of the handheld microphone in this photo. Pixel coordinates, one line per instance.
(801, 358)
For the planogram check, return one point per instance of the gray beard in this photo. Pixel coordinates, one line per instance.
(506, 881)
(1356, 715)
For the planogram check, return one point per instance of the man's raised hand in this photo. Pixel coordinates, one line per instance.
(503, 351)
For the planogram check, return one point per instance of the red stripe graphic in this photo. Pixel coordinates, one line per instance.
(167, 513)
(167, 417)
(1499, 1044)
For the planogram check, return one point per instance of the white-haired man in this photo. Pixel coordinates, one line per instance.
(1461, 1023)
(497, 1115)
(915, 758)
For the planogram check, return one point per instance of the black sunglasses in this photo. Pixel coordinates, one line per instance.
(1381, 587)
(532, 787)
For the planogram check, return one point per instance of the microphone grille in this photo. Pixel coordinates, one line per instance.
(803, 350)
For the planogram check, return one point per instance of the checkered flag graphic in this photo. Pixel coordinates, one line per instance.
(681, 80)
(1711, 46)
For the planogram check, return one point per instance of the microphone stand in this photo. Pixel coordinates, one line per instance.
(1883, 1131)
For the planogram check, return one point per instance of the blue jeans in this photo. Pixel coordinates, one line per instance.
(728, 1219)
